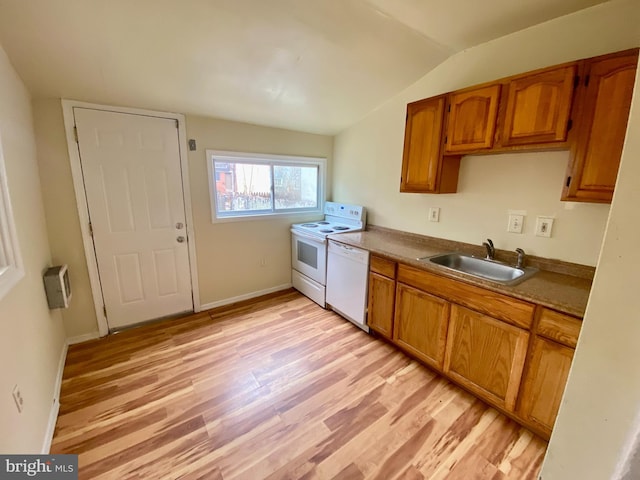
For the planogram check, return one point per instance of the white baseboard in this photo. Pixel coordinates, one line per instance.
(83, 338)
(246, 296)
(55, 407)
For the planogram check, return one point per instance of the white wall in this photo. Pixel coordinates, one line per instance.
(63, 224)
(229, 254)
(368, 156)
(31, 336)
(600, 412)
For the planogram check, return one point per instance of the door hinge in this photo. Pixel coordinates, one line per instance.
(177, 123)
(569, 124)
(576, 81)
(586, 80)
(75, 133)
(90, 229)
(449, 108)
(568, 181)
(446, 138)
(104, 310)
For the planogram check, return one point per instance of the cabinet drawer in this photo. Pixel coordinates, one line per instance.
(383, 266)
(500, 306)
(559, 327)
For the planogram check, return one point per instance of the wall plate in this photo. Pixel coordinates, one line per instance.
(544, 225)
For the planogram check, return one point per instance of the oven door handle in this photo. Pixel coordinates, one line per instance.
(306, 236)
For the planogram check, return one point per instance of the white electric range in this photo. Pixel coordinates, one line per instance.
(309, 247)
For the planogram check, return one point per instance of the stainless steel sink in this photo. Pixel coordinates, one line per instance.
(482, 268)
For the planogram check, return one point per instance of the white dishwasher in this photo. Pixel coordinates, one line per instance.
(347, 279)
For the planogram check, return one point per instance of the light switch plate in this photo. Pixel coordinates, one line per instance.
(515, 223)
(434, 214)
(544, 225)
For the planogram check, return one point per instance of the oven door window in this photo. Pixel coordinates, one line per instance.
(309, 257)
(308, 254)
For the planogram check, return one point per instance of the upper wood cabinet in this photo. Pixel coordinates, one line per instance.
(538, 107)
(582, 106)
(424, 169)
(486, 355)
(605, 102)
(472, 119)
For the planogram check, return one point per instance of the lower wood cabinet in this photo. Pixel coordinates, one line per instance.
(421, 324)
(509, 352)
(381, 304)
(544, 382)
(486, 355)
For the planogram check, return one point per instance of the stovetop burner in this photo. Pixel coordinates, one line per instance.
(339, 218)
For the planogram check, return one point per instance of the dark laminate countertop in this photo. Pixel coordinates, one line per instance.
(559, 285)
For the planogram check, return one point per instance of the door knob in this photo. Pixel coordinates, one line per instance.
(180, 239)
(179, 225)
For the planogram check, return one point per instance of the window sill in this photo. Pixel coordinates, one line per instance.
(267, 216)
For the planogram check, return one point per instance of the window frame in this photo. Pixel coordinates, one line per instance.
(272, 161)
(11, 267)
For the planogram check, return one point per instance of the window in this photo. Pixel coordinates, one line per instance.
(245, 185)
(10, 262)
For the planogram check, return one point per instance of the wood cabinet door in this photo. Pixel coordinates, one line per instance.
(538, 107)
(604, 112)
(422, 139)
(472, 119)
(485, 355)
(544, 382)
(381, 304)
(421, 324)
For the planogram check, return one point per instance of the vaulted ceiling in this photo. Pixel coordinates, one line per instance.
(310, 65)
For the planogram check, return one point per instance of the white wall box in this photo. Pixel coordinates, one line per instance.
(57, 286)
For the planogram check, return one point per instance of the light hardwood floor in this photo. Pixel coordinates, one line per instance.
(280, 389)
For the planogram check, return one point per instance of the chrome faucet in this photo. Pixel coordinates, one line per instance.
(491, 251)
(520, 261)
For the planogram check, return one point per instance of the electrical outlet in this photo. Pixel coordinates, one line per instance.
(17, 397)
(544, 225)
(434, 214)
(515, 223)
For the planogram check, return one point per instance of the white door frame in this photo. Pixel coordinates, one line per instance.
(83, 207)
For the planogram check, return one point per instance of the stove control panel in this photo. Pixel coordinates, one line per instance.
(353, 212)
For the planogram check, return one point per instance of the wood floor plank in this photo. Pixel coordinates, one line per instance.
(275, 389)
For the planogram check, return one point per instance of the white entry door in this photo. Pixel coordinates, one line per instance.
(132, 177)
